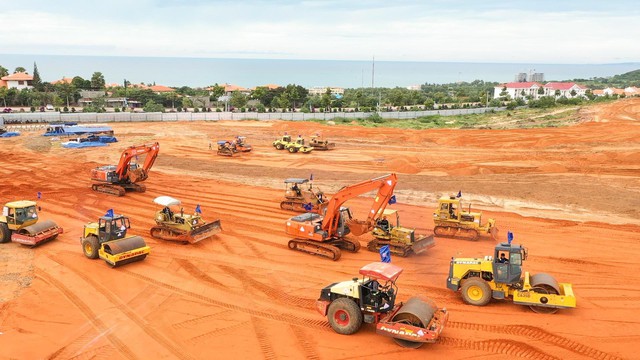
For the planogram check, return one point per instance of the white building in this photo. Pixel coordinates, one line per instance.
(18, 80)
(559, 89)
(517, 90)
(320, 90)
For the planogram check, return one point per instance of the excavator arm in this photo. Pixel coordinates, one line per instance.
(128, 154)
(385, 185)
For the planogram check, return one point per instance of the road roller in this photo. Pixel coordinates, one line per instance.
(19, 223)
(106, 239)
(372, 299)
(500, 276)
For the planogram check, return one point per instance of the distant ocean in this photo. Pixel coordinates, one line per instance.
(201, 72)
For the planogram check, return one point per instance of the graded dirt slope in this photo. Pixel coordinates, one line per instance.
(570, 194)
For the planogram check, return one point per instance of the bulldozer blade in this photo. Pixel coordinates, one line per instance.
(494, 233)
(423, 243)
(358, 227)
(205, 231)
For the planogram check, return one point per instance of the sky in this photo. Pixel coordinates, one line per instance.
(542, 31)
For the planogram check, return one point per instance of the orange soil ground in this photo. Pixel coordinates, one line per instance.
(570, 194)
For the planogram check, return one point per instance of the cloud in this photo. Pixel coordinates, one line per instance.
(285, 29)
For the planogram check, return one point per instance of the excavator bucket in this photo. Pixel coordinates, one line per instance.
(205, 231)
(124, 251)
(358, 227)
(37, 233)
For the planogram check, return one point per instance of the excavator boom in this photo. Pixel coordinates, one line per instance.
(385, 185)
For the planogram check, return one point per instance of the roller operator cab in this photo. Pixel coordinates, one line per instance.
(501, 277)
(107, 240)
(19, 223)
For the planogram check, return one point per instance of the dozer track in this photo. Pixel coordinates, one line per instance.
(395, 248)
(297, 206)
(315, 248)
(225, 152)
(454, 231)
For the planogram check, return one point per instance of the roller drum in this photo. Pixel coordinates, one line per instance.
(546, 281)
(123, 245)
(38, 227)
(416, 312)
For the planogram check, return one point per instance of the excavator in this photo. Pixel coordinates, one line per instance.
(117, 179)
(324, 235)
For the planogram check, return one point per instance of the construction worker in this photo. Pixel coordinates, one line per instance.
(383, 224)
(503, 259)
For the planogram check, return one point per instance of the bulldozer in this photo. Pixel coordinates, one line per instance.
(401, 240)
(226, 148)
(19, 223)
(372, 300)
(318, 144)
(302, 199)
(500, 277)
(451, 220)
(179, 226)
(241, 144)
(107, 240)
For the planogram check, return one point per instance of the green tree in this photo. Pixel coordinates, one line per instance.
(216, 91)
(3, 71)
(37, 81)
(238, 99)
(66, 91)
(296, 95)
(3, 95)
(573, 93)
(20, 69)
(152, 106)
(97, 81)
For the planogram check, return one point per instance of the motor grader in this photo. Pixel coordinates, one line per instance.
(300, 196)
(19, 223)
(107, 240)
(372, 299)
(451, 220)
(175, 225)
(401, 240)
(319, 144)
(500, 277)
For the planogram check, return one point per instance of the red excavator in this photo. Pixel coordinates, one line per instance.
(117, 179)
(324, 235)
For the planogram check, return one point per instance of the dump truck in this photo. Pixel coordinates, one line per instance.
(107, 239)
(401, 240)
(500, 277)
(175, 225)
(300, 196)
(452, 220)
(372, 300)
(20, 223)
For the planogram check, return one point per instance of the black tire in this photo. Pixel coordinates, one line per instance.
(476, 291)
(292, 149)
(279, 146)
(90, 246)
(5, 233)
(344, 316)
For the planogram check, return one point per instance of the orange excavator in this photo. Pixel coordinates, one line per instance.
(117, 179)
(324, 235)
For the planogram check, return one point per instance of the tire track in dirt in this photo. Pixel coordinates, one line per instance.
(125, 309)
(263, 339)
(270, 315)
(73, 350)
(196, 321)
(308, 349)
(498, 346)
(537, 334)
(208, 334)
(270, 292)
(194, 271)
(103, 352)
(88, 313)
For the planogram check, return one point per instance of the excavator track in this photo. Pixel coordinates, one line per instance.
(109, 189)
(452, 231)
(315, 248)
(170, 234)
(349, 245)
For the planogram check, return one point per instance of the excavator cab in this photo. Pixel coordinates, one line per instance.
(507, 263)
